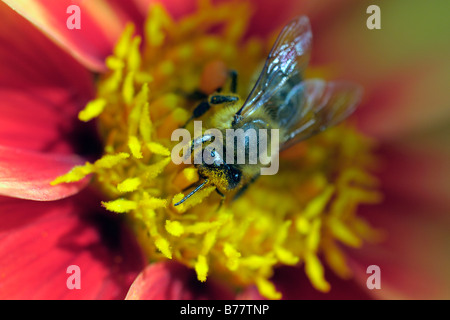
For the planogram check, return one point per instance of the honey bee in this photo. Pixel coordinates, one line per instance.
(281, 99)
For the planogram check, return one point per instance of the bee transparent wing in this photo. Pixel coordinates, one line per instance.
(320, 104)
(284, 66)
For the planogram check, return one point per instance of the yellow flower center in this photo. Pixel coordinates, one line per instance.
(299, 215)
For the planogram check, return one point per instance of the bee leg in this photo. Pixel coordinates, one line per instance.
(198, 111)
(196, 95)
(204, 106)
(198, 142)
(222, 200)
(244, 188)
(201, 140)
(219, 99)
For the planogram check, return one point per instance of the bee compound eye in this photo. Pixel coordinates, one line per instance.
(233, 177)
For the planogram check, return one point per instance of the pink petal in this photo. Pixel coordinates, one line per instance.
(406, 101)
(412, 170)
(404, 66)
(27, 174)
(413, 260)
(173, 281)
(102, 22)
(293, 283)
(41, 90)
(40, 240)
(265, 23)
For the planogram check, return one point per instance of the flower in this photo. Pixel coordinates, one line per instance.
(138, 108)
(139, 100)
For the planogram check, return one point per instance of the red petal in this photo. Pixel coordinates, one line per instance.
(263, 21)
(39, 240)
(41, 89)
(101, 21)
(173, 281)
(27, 174)
(177, 8)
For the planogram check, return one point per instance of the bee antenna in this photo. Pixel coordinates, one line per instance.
(192, 192)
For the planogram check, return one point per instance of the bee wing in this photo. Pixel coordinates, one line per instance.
(320, 104)
(285, 64)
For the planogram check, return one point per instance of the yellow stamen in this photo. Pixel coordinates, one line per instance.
(120, 205)
(174, 228)
(135, 147)
(201, 267)
(129, 185)
(93, 109)
(267, 289)
(314, 270)
(158, 149)
(232, 255)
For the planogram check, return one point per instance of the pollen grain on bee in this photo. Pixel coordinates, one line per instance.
(230, 146)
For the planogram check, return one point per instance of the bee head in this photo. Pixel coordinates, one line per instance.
(224, 176)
